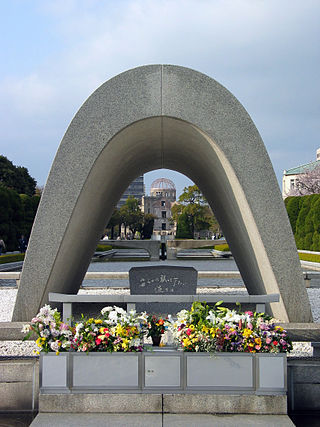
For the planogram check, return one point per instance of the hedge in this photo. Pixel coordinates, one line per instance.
(11, 258)
(304, 217)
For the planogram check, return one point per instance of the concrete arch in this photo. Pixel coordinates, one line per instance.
(152, 117)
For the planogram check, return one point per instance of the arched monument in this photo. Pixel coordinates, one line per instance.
(152, 117)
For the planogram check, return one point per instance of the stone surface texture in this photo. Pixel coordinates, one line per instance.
(224, 404)
(19, 384)
(163, 280)
(151, 117)
(106, 403)
(157, 420)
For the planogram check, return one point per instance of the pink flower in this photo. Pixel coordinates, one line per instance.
(188, 331)
(64, 327)
(268, 340)
(98, 341)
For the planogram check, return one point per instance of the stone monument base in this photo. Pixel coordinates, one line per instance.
(195, 403)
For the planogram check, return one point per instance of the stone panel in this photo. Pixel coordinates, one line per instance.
(108, 403)
(163, 280)
(223, 404)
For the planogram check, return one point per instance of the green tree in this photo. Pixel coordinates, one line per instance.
(131, 215)
(184, 229)
(192, 213)
(147, 226)
(16, 177)
(114, 221)
(293, 207)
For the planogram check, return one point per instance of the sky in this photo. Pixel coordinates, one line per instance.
(55, 53)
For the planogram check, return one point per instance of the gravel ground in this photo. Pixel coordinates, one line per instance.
(16, 348)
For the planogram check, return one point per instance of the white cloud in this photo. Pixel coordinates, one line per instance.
(265, 52)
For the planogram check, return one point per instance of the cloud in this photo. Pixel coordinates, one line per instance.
(265, 52)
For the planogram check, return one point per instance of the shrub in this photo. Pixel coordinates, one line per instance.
(11, 258)
(103, 248)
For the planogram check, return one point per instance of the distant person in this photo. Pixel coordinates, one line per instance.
(22, 244)
(2, 246)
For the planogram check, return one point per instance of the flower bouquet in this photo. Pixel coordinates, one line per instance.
(156, 327)
(53, 334)
(118, 330)
(218, 329)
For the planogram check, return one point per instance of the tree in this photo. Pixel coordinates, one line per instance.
(16, 177)
(307, 183)
(131, 215)
(114, 221)
(147, 227)
(192, 213)
(293, 208)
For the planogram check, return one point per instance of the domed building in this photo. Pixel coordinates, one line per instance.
(162, 197)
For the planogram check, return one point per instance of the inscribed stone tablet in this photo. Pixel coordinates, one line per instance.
(163, 280)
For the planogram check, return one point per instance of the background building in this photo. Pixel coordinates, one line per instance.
(290, 180)
(135, 189)
(159, 203)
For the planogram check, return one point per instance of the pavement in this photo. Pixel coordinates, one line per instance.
(159, 420)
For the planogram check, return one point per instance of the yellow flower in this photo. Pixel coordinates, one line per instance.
(57, 353)
(191, 327)
(119, 330)
(97, 321)
(39, 342)
(247, 332)
(213, 332)
(258, 341)
(186, 342)
(205, 329)
(125, 343)
(90, 320)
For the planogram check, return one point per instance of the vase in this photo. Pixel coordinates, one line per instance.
(156, 340)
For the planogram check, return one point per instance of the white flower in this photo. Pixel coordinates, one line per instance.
(55, 332)
(54, 346)
(135, 342)
(120, 310)
(25, 329)
(113, 316)
(106, 309)
(231, 316)
(212, 317)
(78, 327)
(45, 333)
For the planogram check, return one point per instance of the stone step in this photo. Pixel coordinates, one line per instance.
(152, 403)
(159, 420)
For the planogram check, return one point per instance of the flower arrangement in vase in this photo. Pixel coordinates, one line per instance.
(156, 327)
